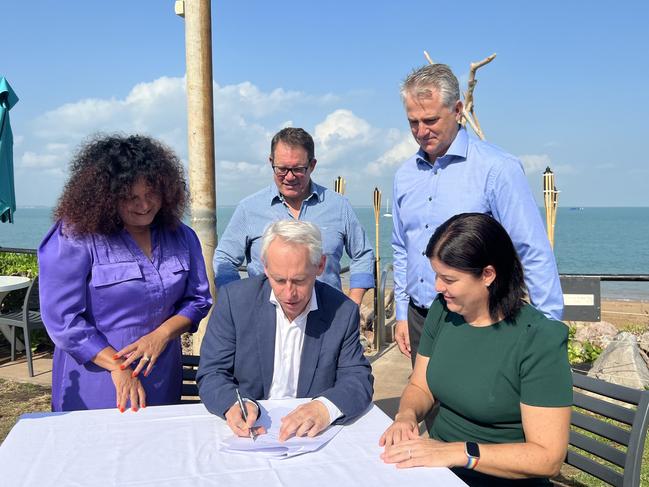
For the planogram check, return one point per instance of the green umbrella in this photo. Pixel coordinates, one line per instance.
(7, 192)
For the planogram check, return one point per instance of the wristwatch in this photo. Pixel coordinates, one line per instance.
(472, 451)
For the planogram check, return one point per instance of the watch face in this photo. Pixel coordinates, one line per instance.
(472, 449)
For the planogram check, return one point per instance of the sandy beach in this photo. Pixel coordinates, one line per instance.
(626, 314)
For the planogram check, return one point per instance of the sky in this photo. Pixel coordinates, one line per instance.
(566, 89)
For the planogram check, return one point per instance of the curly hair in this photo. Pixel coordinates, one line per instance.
(103, 172)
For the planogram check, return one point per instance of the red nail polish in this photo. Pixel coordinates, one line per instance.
(134, 374)
(122, 367)
(134, 409)
(115, 357)
(121, 410)
(143, 406)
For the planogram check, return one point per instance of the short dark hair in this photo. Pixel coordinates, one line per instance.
(294, 137)
(470, 242)
(103, 172)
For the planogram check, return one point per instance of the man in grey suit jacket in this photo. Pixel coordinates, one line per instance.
(284, 334)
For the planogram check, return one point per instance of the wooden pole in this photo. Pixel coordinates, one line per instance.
(200, 125)
(378, 300)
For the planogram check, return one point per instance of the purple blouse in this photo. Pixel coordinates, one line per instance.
(99, 290)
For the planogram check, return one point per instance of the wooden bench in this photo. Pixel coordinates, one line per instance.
(190, 388)
(623, 405)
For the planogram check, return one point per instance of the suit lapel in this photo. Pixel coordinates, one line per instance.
(266, 324)
(313, 333)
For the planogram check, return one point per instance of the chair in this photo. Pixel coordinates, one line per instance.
(190, 388)
(636, 417)
(28, 318)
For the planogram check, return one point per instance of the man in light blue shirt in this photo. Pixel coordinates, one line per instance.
(453, 173)
(295, 196)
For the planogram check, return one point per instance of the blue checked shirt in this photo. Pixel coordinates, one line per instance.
(341, 230)
(473, 176)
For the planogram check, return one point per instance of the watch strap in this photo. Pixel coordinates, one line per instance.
(472, 451)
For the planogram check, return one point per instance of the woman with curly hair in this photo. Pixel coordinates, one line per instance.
(121, 277)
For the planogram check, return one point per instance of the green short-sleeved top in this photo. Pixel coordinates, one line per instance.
(480, 375)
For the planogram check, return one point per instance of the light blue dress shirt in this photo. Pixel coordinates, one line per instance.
(341, 230)
(473, 176)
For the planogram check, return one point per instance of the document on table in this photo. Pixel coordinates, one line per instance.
(268, 444)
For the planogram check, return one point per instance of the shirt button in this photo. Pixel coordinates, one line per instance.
(426, 225)
(424, 253)
(430, 198)
(421, 280)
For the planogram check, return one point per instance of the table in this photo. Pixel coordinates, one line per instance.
(179, 446)
(7, 284)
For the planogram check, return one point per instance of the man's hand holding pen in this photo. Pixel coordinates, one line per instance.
(242, 416)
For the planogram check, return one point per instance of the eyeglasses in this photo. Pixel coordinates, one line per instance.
(297, 171)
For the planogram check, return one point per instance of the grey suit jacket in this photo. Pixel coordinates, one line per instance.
(239, 347)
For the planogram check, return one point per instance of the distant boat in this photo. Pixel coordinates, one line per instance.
(387, 213)
(577, 208)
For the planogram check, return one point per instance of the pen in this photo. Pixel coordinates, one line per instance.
(253, 435)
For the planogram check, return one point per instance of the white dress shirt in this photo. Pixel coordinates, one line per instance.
(289, 338)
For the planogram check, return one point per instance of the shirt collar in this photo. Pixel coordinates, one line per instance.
(458, 148)
(312, 306)
(317, 191)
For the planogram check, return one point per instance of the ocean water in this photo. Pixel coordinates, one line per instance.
(589, 240)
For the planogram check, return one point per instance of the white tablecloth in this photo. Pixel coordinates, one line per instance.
(179, 446)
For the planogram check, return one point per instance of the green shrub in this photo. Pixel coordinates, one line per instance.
(18, 265)
(579, 353)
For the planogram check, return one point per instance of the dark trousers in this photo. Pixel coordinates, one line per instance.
(416, 319)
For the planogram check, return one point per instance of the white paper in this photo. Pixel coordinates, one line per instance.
(268, 445)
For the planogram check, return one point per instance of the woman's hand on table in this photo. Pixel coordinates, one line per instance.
(405, 427)
(425, 452)
(128, 388)
(145, 350)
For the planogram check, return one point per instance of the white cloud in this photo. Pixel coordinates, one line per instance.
(341, 126)
(43, 161)
(535, 162)
(245, 118)
(242, 170)
(394, 156)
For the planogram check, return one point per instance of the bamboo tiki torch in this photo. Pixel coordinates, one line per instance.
(548, 197)
(339, 185)
(377, 268)
(555, 204)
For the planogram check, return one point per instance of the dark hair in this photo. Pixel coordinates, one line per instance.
(103, 172)
(470, 242)
(294, 137)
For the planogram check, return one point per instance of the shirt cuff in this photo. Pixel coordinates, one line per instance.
(364, 280)
(402, 310)
(192, 315)
(334, 412)
(88, 349)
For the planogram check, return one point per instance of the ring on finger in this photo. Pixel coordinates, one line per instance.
(145, 358)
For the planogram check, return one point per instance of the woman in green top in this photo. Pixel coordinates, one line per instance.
(497, 367)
